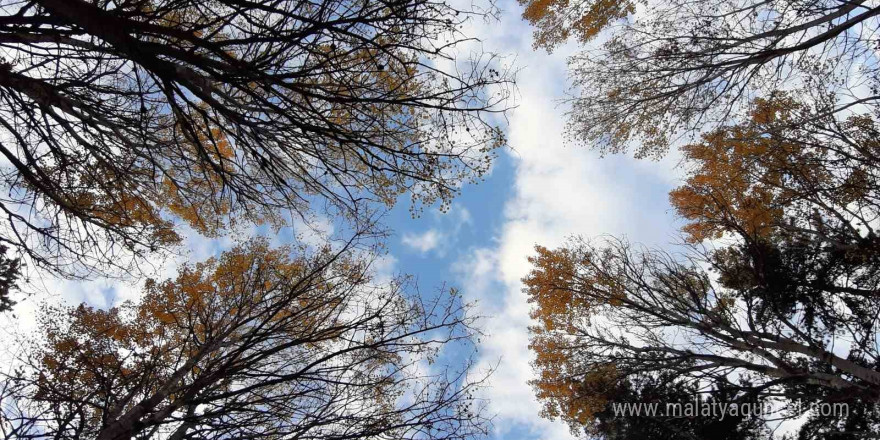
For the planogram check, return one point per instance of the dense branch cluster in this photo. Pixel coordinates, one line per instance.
(774, 300)
(121, 119)
(665, 69)
(259, 343)
(784, 311)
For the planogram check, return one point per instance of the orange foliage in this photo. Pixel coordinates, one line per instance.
(556, 20)
(755, 179)
(740, 183)
(91, 350)
(565, 286)
(198, 199)
(192, 191)
(115, 201)
(574, 398)
(550, 285)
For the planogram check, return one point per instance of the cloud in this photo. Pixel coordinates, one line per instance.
(384, 268)
(424, 242)
(505, 348)
(460, 216)
(442, 235)
(558, 190)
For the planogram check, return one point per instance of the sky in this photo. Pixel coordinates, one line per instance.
(541, 190)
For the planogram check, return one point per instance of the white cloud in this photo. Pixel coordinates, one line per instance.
(444, 233)
(458, 215)
(424, 242)
(558, 191)
(384, 268)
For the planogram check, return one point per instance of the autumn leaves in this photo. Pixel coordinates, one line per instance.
(774, 296)
(254, 341)
(128, 125)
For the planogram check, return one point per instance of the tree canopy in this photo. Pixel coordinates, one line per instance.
(9, 274)
(781, 309)
(664, 70)
(127, 126)
(258, 343)
(122, 120)
(775, 296)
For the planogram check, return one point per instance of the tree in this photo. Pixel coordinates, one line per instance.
(120, 119)
(669, 69)
(259, 343)
(783, 310)
(9, 273)
(556, 20)
(660, 391)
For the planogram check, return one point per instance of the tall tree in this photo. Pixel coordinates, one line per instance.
(611, 424)
(10, 271)
(259, 343)
(121, 118)
(664, 69)
(783, 309)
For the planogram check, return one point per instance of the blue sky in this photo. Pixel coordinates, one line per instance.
(541, 190)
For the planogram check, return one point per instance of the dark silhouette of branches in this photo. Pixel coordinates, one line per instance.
(783, 308)
(10, 269)
(121, 120)
(666, 70)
